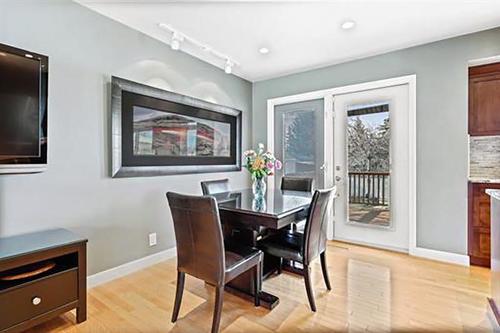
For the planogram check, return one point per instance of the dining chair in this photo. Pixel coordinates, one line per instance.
(215, 186)
(306, 247)
(302, 184)
(201, 251)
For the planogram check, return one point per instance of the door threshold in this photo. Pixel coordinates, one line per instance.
(371, 245)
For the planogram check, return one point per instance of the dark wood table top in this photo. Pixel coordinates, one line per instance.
(23, 244)
(276, 203)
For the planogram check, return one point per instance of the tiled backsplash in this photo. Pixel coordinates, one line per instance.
(484, 157)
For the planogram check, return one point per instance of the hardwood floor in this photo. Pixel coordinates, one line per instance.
(373, 290)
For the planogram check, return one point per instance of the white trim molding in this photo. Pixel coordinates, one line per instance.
(484, 61)
(129, 267)
(449, 257)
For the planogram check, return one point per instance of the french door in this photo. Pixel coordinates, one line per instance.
(371, 159)
(360, 139)
(300, 136)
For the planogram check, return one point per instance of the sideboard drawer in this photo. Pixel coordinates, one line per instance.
(38, 297)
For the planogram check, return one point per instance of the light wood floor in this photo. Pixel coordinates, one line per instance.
(373, 290)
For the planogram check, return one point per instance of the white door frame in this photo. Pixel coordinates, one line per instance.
(328, 96)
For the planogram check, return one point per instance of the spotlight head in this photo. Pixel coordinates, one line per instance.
(177, 38)
(175, 44)
(228, 67)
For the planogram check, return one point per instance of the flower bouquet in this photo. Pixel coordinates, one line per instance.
(260, 164)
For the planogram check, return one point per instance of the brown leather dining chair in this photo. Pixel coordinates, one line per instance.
(215, 186)
(201, 251)
(306, 247)
(303, 184)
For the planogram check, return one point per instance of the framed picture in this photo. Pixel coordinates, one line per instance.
(157, 132)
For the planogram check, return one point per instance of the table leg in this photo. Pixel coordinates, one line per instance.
(243, 285)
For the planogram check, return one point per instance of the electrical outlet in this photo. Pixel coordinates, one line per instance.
(152, 239)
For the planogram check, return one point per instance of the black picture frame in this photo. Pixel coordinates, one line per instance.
(128, 94)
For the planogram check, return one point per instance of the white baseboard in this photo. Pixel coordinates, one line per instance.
(129, 267)
(449, 257)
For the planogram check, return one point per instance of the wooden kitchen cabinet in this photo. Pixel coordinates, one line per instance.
(484, 100)
(479, 223)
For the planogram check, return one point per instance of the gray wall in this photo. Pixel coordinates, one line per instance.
(85, 49)
(442, 157)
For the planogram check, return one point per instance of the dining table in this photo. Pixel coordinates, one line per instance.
(246, 218)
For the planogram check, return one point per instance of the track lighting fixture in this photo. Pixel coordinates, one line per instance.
(178, 38)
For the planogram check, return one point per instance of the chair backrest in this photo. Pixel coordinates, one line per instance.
(303, 184)
(198, 234)
(316, 223)
(215, 186)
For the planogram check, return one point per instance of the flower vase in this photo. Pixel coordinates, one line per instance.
(259, 186)
(259, 204)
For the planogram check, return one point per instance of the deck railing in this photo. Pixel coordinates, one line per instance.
(371, 188)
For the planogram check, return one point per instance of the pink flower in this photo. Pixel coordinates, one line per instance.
(270, 165)
(278, 164)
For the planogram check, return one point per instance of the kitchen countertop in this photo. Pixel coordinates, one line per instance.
(484, 180)
(493, 193)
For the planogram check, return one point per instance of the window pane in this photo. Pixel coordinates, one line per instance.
(299, 147)
(368, 135)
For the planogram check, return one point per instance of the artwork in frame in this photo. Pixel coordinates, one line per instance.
(157, 132)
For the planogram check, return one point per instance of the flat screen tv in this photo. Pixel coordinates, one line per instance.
(23, 110)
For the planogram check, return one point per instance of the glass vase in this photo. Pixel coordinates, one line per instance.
(259, 186)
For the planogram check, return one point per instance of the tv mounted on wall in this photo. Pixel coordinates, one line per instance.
(23, 110)
(157, 132)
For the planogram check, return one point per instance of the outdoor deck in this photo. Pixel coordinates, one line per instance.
(374, 215)
(369, 194)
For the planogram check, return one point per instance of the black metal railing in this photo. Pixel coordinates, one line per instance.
(371, 188)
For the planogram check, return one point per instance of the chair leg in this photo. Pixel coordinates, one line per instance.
(310, 295)
(178, 295)
(219, 298)
(324, 269)
(280, 266)
(257, 283)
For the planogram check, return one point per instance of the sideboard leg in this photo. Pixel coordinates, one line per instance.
(81, 310)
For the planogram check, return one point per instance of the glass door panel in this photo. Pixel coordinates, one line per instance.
(368, 164)
(298, 140)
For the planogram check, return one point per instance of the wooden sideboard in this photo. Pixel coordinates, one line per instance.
(29, 301)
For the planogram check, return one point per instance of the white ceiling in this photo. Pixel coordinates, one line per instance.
(301, 35)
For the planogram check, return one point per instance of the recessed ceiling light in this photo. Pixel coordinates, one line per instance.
(27, 55)
(348, 24)
(264, 50)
